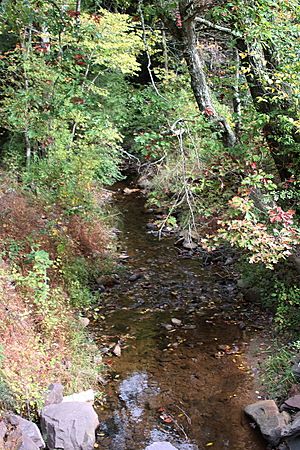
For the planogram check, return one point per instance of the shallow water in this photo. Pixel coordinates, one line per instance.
(175, 383)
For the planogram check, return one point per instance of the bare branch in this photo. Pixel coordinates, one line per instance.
(147, 50)
(237, 104)
(130, 156)
(214, 26)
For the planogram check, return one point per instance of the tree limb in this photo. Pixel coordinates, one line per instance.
(217, 27)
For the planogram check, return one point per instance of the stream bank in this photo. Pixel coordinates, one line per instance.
(175, 337)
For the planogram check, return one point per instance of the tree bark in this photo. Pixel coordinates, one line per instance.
(199, 83)
(274, 133)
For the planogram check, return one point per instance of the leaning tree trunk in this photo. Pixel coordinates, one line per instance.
(284, 156)
(199, 83)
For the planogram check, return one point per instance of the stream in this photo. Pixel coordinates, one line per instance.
(179, 373)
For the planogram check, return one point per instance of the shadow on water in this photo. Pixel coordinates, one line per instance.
(173, 381)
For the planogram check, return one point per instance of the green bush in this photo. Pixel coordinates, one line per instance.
(278, 292)
(77, 275)
(287, 302)
(277, 376)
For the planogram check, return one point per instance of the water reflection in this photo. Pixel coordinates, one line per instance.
(134, 392)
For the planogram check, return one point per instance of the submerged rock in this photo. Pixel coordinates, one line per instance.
(161, 446)
(176, 322)
(134, 277)
(69, 426)
(270, 421)
(151, 226)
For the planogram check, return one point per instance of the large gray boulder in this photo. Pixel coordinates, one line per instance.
(18, 433)
(161, 446)
(29, 431)
(270, 421)
(69, 426)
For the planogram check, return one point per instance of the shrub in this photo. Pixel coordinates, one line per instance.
(277, 375)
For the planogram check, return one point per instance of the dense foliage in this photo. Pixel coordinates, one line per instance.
(68, 103)
(204, 96)
(54, 84)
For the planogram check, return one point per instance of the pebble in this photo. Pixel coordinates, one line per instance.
(176, 322)
(135, 277)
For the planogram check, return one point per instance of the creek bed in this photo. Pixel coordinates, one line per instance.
(184, 381)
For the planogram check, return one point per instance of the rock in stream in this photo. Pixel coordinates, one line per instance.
(69, 426)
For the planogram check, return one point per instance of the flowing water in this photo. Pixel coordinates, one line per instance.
(183, 381)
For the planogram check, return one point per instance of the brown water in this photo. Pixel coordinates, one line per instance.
(173, 383)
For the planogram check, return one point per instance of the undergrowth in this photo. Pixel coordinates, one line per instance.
(277, 375)
(48, 262)
(279, 292)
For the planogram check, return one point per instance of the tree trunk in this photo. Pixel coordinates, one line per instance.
(199, 83)
(283, 155)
